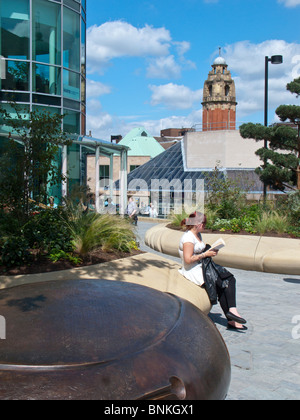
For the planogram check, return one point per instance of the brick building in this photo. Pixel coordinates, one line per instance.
(219, 98)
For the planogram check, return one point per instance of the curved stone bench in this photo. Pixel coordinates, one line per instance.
(146, 269)
(254, 253)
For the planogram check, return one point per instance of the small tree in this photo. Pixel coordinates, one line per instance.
(282, 158)
(28, 164)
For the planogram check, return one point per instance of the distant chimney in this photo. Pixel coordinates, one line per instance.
(116, 139)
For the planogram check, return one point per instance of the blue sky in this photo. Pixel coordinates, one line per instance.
(147, 60)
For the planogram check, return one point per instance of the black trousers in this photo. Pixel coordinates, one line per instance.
(227, 295)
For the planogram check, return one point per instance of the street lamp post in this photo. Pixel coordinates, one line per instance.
(275, 59)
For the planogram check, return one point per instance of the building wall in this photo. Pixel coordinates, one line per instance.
(219, 118)
(225, 148)
(132, 160)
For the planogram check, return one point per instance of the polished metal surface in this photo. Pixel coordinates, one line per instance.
(98, 339)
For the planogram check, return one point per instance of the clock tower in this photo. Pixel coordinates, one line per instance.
(219, 98)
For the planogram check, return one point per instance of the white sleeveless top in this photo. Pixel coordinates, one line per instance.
(192, 272)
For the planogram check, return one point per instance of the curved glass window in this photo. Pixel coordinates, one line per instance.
(41, 109)
(17, 112)
(17, 76)
(14, 29)
(46, 79)
(42, 43)
(46, 32)
(72, 121)
(71, 85)
(83, 47)
(71, 53)
(73, 4)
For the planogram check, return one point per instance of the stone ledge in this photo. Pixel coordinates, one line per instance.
(146, 269)
(253, 253)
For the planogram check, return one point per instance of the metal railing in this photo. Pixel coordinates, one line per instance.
(216, 126)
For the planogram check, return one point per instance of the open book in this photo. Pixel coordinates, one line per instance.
(216, 246)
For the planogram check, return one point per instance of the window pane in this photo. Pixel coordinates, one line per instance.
(72, 4)
(46, 32)
(73, 166)
(46, 100)
(46, 79)
(83, 44)
(17, 76)
(83, 90)
(71, 85)
(41, 109)
(17, 112)
(72, 122)
(71, 40)
(14, 29)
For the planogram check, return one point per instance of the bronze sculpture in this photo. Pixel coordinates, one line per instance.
(107, 340)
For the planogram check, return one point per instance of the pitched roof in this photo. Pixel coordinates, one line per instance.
(141, 143)
(169, 166)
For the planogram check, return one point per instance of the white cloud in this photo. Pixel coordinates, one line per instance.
(174, 96)
(290, 3)
(246, 61)
(95, 89)
(104, 125)
(164, 68)
(120, 39)
(100, 125)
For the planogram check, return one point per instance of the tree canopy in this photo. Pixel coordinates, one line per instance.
(28, 165)
(281, 159)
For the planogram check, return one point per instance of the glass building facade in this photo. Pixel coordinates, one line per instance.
(43, 65)
(43, 50)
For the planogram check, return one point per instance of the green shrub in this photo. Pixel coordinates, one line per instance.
(15, 252)
(272, 221)
(294, 207)
(48, 232)
(176, 219)
(109, 232)
(62, 255)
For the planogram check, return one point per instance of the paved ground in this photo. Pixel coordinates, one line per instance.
(265, 359)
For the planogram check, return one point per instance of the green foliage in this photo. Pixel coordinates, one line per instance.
(14, 251)
(28, 165)
(272, 221)
(293, 208)
(109, 232)
(224, 196)
(294, 87)
(62, 255)
(47, 231)
(90, 230)
(64, 234)
(176, 219)
(281, 159)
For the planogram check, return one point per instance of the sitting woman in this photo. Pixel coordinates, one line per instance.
(196, 256)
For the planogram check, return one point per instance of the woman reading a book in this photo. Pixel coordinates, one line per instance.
(194, 254)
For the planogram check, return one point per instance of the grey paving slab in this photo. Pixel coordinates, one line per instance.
(265, 359)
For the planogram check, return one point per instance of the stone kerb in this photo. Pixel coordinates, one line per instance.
(253, 253)
(146, 269)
